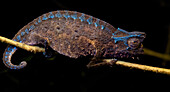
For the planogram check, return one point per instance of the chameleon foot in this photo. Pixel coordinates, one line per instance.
(103, 62)
(110, 62)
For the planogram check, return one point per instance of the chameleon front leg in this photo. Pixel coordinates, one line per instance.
(44, 41)
(47, 52)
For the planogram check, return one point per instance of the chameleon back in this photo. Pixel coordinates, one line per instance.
(74, 34)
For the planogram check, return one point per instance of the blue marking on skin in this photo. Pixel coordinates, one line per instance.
(82, 18)
(22, 33)
(7, 62)
(89, 20)
(7, 53)
(44, 17)
(9, 48)
(127, 48)
(39, 20)
(31, 27)
(36, 23)
(15, 67)
(74, 16)
(119, 29)
(6, 59)
(6, 56)
(116, 33)
(15, 39)
(66, 15)
(97, 23)
(51, 15)
(124, 39)
(23, 39)
(115, 41)
(10, 54)
(26, 30)
(12, 50)
(113, 34)
(102, 27)
(19, 37)
(58, 15)
(15, 48)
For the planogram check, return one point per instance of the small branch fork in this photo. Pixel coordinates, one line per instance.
(122, 63)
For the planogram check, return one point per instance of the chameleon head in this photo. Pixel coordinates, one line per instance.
(126, 44)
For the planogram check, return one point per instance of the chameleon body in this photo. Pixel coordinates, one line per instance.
(75, 34)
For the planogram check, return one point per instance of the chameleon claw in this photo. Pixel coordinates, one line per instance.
(111, 62)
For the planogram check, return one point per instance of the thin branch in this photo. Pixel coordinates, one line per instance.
(142, 67)
(21, 45)
(156, 54)
(122, 63)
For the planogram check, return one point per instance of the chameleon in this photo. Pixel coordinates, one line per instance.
(75, 35)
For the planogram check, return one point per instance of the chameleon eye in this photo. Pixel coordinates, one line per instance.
(133, 43)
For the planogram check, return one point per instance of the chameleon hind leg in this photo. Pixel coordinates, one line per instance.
(95, 61)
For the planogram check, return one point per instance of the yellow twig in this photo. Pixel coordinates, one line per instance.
(143, 67)
(156, 54)
(21, 45)
(123, 63)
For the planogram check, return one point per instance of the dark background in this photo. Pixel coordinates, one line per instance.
(64, 74)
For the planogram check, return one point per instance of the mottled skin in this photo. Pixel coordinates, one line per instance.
(76, 36)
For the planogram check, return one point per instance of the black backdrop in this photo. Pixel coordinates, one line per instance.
(64, 74)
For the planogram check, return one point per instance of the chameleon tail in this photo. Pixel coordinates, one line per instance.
(10, 50)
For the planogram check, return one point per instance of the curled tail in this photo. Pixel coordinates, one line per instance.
(10, 50)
